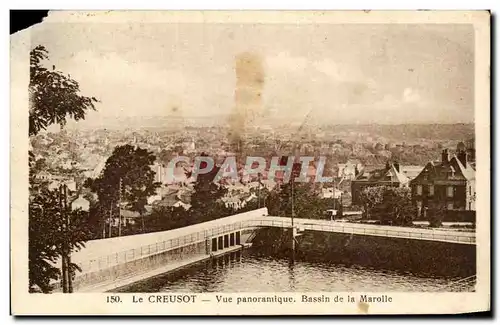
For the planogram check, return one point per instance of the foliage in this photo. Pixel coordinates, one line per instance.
(206, 201)
(46, 236)
(399, 207)
(128, 168)
(371, 197)
(340, 212)
(306, 202)
(389, 204)
(436, 216)
(53, 95)
(167, 218)
(303, 197)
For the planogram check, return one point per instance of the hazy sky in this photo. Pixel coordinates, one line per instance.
(341, 73)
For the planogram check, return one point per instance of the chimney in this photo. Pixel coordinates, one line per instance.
(444, 156)
(462, 156)
(396, 165)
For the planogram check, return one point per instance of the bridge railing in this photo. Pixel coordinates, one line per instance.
(122, 257)
(465, 284)
(456, 237)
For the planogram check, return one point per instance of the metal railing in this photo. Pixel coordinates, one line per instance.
(411, 233)
(200, 236)
(465, 284)
(156, 248)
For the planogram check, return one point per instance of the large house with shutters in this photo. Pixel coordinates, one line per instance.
(391, 175)
(449, 184)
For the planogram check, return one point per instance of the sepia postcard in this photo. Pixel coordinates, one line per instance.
(251, 163)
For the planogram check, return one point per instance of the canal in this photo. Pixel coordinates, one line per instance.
(252, 270)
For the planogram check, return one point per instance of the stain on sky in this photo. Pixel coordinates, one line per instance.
(250, 77)
(22, 19)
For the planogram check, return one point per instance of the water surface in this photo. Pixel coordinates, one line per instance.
(251, 271)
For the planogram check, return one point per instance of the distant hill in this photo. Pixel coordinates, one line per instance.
(408, 132)
(402, 132)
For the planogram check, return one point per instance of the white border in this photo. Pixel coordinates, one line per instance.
(127, 4)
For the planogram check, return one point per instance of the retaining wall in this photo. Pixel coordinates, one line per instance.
(430, 258)
(139, 266)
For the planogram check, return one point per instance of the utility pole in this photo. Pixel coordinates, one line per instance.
(69, 280)
(103, 229)
(67, 284)
(258, 195)
(63, 248)
(110, 218)
(120, 208)
(293, 215)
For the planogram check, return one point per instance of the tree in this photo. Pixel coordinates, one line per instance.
(47, 225)
(340, 211)
(306, 202)
(53, 96)
(399, 206)
(436, 216)
(126, 179)
(261, 197)
(206, 201)
(303, 197)
(391, 204)
(371, 197)
(167, 218)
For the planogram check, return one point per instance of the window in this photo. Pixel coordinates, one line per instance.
(449, 206)
(449, 191)
(419, 189)
(451, 172)
(431, 190)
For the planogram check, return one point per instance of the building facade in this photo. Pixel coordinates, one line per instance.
(350, 169)
(391, 175)
(449, 184)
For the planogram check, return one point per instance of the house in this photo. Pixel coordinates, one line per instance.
(238, 201)
(175, 198)
(349, 169)
(159, 172)
(412, 171)
(177, 174)
(153, 198)
(44, 176)
(449, 184)
(128, 217)
(469, 148)
(80, 203)
(390, 175)
(330, 193)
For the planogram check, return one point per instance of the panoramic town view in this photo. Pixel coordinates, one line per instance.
(209, 158)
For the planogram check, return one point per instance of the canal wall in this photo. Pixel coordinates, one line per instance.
(423, 257)
(116, 274)
(108, 263)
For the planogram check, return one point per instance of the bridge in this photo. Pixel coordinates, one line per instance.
(105, 263)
